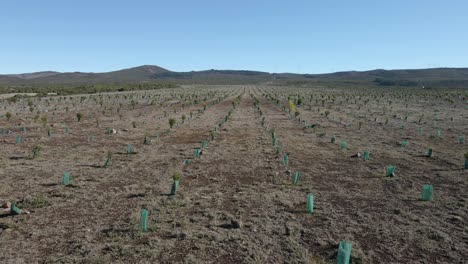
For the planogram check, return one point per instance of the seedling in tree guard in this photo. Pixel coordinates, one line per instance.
(108, 159)
(344, 145)
(18, 139)
(274, 142)
(296, 178)
(278, 149)
(79, 116)
(310, 203)
(333, 139)
(404, 143)
(429, 153)
(461, 139)
(129, 149)
(175, 184)
(365, 155)
(197, 153)
(14, 209)
(143, 226)
(285, 159)
(427, 191)
(66, 179)
(344, 253)
(390, 171)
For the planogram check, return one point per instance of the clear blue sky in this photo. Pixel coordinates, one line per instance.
(275, 36)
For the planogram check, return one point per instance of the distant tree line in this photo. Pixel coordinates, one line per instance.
(388, 82)
(64, 89)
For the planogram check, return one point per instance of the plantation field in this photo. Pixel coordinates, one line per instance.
(240, 201)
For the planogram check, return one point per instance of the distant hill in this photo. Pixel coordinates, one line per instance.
(437, 77)
(34, 75)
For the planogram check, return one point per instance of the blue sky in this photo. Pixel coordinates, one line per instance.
(275, 36)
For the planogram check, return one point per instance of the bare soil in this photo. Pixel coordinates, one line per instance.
(236, 203)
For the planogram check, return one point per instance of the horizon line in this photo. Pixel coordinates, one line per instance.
(213, 69)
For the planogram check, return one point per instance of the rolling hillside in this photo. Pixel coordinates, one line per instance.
(437, 77)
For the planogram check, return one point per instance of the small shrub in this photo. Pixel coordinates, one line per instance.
(36, 151)
(171, 122)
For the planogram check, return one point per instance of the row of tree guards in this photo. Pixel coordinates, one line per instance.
(344, 248)
(426, 194)
(143, 225)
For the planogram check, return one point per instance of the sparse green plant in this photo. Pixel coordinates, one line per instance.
(79, 116)
(171, 122)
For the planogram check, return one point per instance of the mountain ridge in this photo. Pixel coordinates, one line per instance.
(151, 73)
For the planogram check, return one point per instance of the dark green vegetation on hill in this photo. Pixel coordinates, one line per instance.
(154, 77)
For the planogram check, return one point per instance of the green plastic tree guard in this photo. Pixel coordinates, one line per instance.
(212, 135)
(296, 178)
(278, 149)
(197, 153)
(66, 179)
(466, 164)
(427, 191)
(390, 172)
(108, 162)
(143, 220)
(344, 253)
(274, 142)
(67, 130)
(344, 145)
(129, 149)
(461, 139)
(310, 203)
(365, 155)
(420, 130)
(429, 152)
(333, 139)
(23, 129)
(18, 139)
(186, 161)
(49, 133)
(175, 185)
(404, 143)
(91, 137)
(14, 209)
(285, 159)
(439, 133)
